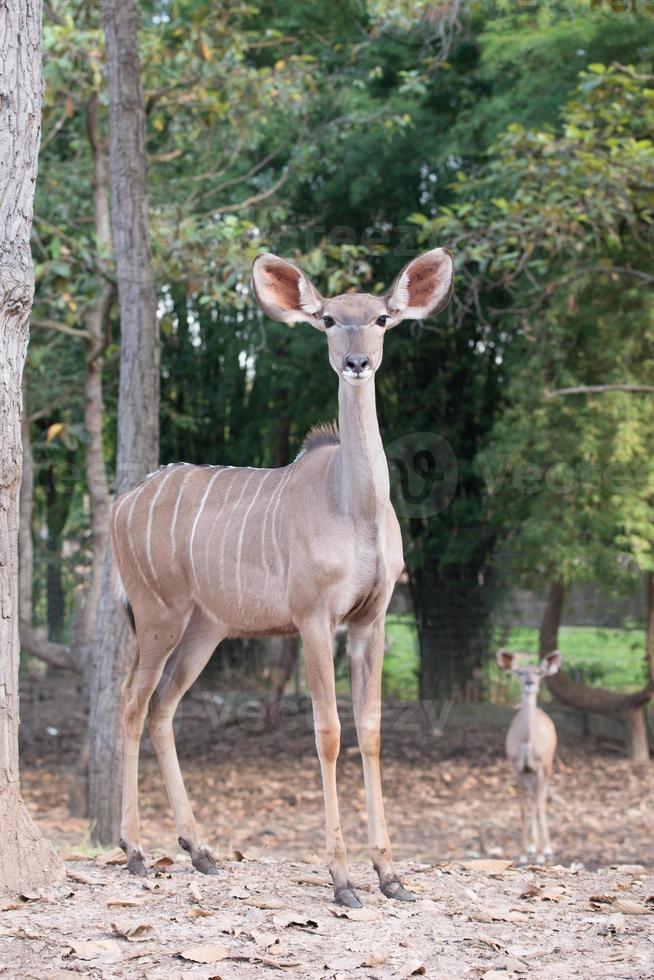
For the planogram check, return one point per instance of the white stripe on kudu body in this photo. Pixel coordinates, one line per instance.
(299, 549)
(162, 484)
(239, 547)
(173, 538)
(195, 524)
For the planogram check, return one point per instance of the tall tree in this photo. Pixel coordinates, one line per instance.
(138, 410)
(26, 860)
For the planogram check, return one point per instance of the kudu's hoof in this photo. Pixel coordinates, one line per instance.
(348, 897)
(201, 857)
(135, 859)
(205, 864)
(395, 889)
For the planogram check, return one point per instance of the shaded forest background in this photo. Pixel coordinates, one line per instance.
(349, 137)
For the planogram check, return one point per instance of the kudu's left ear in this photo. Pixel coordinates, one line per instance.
(551, 663)
(284, 292)
(423, 287)
(505, 659)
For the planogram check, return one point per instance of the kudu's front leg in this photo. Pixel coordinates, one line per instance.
(366, 653)
(318, 641)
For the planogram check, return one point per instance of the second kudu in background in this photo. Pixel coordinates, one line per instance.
(208, 552)
(530, 746)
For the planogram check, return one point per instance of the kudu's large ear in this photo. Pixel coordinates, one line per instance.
(423, 287)
(284, 292)
(551, 663)
(505, 659)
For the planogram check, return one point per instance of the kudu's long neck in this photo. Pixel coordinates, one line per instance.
(529, 707)
(364, 482)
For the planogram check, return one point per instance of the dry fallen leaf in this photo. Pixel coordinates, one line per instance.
(18, 932)
(196, 913)
(194, 891)
(630, 907)
(265, 939)
(491, 915)
(127, 902)
(412, 969)
(487, 866)
(616, 922)
(107, 950)
(163, 861)
(552, 893)
(268, 902)
(375, 959)
(81, 878)
(290, 918)
(357, 915)
(205, 953)
(601, 899)
(271, 961)
(134, 933)
(116, 856)
(9, 904)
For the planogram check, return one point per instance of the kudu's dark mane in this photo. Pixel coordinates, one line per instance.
(320, 435)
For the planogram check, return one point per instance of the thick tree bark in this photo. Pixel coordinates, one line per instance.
(629, 708)
(25, 543)
(138, 413)
(26, 860)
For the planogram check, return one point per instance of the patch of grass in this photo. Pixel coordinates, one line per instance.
(612, 658)
(401, 660)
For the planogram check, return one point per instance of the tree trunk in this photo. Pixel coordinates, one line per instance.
(549, 630)
(452, 620)
(26, 860)
(25, 543)
(97, 325)
(649, 605)
(629, 708)
(138, 409)
(57, 507)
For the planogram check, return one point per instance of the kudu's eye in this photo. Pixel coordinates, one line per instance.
(328, 321)
(381, 320)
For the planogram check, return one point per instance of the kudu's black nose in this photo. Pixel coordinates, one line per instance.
(356, 363)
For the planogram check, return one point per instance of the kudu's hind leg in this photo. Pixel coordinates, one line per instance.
(156, 640)
(541, 802)
(200, 639)
(366, 653)
(318, 641)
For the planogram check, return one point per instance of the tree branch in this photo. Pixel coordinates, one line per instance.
(47, 324)
(254, 199)
(54, 654)
(598, 389)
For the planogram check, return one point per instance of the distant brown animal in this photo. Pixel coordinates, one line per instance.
(208, 552)
(530, 746)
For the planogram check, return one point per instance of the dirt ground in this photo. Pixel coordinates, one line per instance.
(453, 817)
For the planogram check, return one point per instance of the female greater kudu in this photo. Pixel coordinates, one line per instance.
(531, 747)
(203, 553)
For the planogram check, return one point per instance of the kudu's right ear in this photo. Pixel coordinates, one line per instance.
(423, 287)
(505, 659)
(284, 292)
